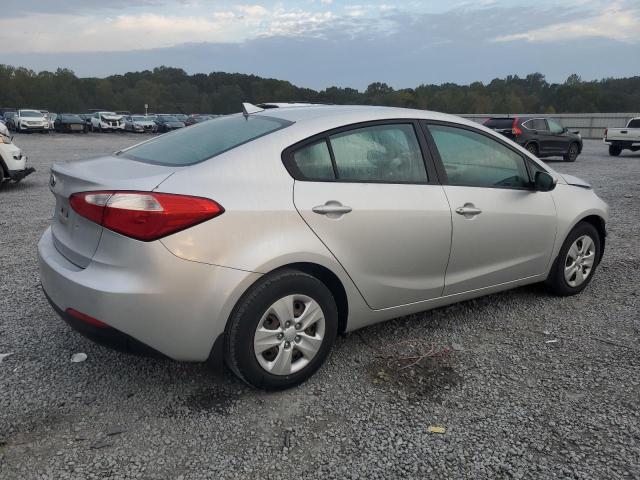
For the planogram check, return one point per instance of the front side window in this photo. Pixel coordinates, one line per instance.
(204, 140)
(475, 160)
(381, 153)
(554, 126)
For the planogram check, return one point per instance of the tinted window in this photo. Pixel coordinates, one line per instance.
(30, 114)
(476, 160)
(314, 161)
(204, 140)
(383, 153)
(634, 123)
(536, 124)
(499, 123)
(554, 126)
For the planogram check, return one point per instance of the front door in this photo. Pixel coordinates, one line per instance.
(366, 194)
(503, 230)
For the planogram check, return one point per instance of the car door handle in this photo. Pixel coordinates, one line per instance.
(331, 208)
(468, 210)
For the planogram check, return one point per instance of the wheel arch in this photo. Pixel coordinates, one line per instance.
(599, 224)
(534, 142)
(330, 280)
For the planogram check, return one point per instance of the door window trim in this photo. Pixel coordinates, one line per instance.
(430, 166)
(435, 153)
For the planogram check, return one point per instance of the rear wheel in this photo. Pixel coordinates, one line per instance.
(281, 331)
(614, 150)
(532, 148)
(572, 153)
(577, 261)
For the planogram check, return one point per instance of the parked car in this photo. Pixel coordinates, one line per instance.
(28, 120)
(107, 122)
(13, 162)
(180, 116)
(51, 117)
(193, 119)
(140, 124)
(543, 137)
(9, 120)
(627, 138)
(87, 119)
(258, 237)
(70, 122)
(166, 123)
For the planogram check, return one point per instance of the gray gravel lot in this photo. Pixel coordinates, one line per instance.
(513, 405)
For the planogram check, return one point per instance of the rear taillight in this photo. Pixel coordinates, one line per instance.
(605, 132)
(515, 129)
(144, 216)
(83, 317)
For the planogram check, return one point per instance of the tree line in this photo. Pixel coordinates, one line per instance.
(167, 89)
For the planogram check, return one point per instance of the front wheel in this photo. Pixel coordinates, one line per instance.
(572, 153)
(281, 330)
(577, 261)
(614, 150)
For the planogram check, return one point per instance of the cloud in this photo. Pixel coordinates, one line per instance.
(615, 22)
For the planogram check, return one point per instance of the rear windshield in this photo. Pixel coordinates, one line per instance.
(204, 140)
(499, 123)
(635, 123)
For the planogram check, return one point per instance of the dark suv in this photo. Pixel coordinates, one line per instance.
(543, 137)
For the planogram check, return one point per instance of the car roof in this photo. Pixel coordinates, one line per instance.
(346, 114)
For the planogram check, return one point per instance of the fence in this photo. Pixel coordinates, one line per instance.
(590, 125)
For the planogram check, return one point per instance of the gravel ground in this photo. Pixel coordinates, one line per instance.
(513, 405)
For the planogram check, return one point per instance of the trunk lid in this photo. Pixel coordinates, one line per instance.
(75, 237)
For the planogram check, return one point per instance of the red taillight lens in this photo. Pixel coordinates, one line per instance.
(515, 130)
(605, 132)
(144, 216)
(83, 317)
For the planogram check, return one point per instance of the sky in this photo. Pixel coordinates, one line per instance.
(321, 43)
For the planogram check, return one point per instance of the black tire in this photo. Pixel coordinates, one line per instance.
(572, 153)
(614, 150)
(532, 148)
(556, 282)
(2, 175)
(242, 325)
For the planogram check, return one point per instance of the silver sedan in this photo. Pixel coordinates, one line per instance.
(256, 238)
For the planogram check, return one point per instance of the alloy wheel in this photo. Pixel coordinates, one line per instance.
(289, 334)
(579, 261)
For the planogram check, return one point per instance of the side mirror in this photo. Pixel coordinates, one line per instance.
(543, 182)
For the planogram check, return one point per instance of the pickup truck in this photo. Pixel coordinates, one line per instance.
(627, 138)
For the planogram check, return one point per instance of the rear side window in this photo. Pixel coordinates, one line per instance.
(375, 154)
(475, 160)
(204, 140)
(381, 153)
(634, 123)
(314, 161)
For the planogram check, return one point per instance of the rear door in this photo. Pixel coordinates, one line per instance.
(502, 229)
(559, 138)
(369, 196)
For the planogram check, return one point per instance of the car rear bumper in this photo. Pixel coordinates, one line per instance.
(148, 295)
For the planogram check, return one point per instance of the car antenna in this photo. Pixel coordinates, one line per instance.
(249, 108)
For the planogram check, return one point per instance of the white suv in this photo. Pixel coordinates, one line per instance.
(106, 121)
(13, 163)
(31, 121)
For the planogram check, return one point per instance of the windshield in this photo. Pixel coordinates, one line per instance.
(169, 119)
(70, 118)
(139, 119)
(109, 113)
(205, 140)
(30, 114)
